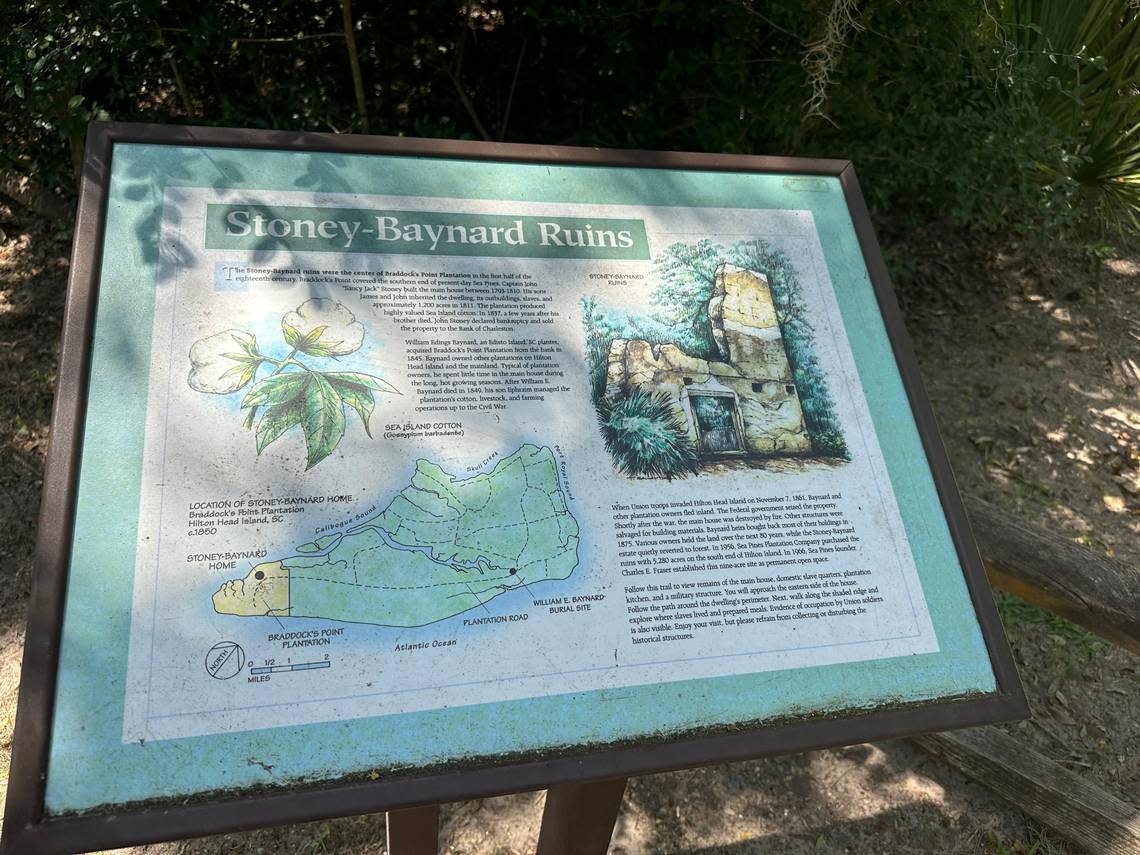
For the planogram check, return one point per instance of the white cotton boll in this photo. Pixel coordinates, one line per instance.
(323, 327)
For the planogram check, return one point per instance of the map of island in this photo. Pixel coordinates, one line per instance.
(443, 546)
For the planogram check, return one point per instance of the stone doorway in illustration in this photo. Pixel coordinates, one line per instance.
(717, 417)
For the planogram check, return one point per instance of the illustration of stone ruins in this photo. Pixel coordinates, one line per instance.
(744, 405)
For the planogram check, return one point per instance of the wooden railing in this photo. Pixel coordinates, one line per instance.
(1093, 592)
(1057, 574)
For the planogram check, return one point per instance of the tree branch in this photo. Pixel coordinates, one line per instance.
(354, 62)
(511, 94)
(178, 82)
(454, 74)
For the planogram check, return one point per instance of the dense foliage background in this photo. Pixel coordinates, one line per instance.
(1019, 113)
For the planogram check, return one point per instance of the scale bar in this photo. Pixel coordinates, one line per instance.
(300, 666)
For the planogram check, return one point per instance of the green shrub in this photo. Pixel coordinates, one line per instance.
(645, 437)
(1013, 114)
(597, 347)
(1080, 64)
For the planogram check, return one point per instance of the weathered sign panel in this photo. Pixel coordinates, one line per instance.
(391, 471)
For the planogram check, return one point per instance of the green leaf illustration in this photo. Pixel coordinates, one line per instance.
(249, 345)
(276, 389)
(310, 343)
(277, 420)
(322, 348)
(353, 379)
(323, 419)
(293, 336)
(248, 349)
(243, 371)
(356, 390)
(360, 400)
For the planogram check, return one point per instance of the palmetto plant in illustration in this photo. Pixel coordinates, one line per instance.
(645, 437)
(294, 393)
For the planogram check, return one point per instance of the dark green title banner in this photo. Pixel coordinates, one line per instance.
(342, 230)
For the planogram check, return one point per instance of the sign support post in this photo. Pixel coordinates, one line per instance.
(579, 818)
(413, 831)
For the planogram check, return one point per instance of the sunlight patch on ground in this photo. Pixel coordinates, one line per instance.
(924, 789)
(1114, 503)
(1097, 393)
(873, 784)
(1123, 266)
(1128, 416)
(11, 644)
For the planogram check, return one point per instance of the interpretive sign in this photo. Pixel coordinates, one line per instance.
(391, 471)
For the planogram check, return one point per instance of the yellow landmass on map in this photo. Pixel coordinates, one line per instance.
(263, 591)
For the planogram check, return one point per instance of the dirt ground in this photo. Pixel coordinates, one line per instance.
(1034, 373)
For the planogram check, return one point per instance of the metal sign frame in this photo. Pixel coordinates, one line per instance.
(28, 829)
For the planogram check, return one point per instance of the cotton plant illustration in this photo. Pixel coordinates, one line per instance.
(295, 392)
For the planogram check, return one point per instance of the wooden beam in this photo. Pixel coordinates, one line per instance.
(413, 831)
(578, 819)
(1057, 574)
(1060, 800)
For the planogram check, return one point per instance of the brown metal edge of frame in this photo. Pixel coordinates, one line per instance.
(1001, 658)
(196, 135)
(96, 831)
(26, 831)
(31, 734)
